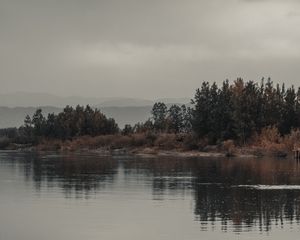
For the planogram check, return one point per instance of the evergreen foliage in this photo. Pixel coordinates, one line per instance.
(234, 111)
(239, 110)
(69, 123)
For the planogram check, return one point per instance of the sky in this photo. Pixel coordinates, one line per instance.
(145, 49)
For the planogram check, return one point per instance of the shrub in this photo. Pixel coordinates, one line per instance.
(127, 130)
(140, 139)
(119, 141)
(166, 141)
(292, 140)
(151, 137)
(190, 142)
(267, 138)
(4, 142)
(229, 148)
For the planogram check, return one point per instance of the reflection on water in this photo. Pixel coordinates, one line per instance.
(222, 195)
(78, 174)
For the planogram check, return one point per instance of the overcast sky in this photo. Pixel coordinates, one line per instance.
(147, 49)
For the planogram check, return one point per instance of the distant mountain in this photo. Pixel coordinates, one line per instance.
(14, 107)
(128, 115)
(25, 99)
(136, 102)
(126, 102)
(14, 117)
(174, 100)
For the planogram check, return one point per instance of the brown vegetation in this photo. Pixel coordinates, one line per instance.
(229, 148)
(271, 142)
(268, 142)
(163, 141)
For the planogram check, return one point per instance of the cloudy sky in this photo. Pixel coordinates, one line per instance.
(142, 48)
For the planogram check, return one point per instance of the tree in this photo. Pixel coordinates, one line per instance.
(71, 123)
(239, 110)
(127, 130)
(187, 114)
(225, 112)
(28, 129)
(39, 123)
(51, 126)
(246, 110)
(289, 112)
(175, 119)
(143, 127)
(159, 114)
(201, 110)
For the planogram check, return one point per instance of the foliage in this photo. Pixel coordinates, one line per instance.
(4, 142)
(68, 124)
(159, 114)
(240, 110)
(235, 113)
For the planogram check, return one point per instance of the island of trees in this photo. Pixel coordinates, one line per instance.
(239, 115)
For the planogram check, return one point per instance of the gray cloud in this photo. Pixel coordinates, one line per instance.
(144, 49)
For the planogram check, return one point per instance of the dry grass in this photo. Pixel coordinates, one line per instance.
(191, 142)
(270, 142)
(292, 140)
(108, 141)
(104, 141)
(268, 137)
(139, 140)
(229, 148)
(167, 142)
(50, 145)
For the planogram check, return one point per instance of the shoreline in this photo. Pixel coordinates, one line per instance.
(242, 152)
(160, 145)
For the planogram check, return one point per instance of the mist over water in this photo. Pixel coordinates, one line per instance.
(87, 196)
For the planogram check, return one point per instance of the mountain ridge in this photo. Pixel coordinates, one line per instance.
(15, 106)
(26, 99)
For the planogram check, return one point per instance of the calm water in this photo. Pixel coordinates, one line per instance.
(86, 196)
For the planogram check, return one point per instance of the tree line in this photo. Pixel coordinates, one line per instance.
(234, 111)
(239, 110)
(175, 119)
(70, 123)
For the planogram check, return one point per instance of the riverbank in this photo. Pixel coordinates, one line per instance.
(173, 145)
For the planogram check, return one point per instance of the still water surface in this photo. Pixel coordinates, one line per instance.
(86, 196)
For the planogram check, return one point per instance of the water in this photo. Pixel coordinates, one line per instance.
(87, 196)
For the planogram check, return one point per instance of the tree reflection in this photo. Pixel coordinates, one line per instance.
(222, 189)
(78, 175)
(244, 208)
(225, 192)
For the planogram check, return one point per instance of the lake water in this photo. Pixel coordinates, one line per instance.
(49, 196)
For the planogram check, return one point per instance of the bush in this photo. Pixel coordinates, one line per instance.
(166, 141)
(4, 142)
(140, 139)
(127, 130)
(267, 138)
(120, 141)
(190, 142)
(292, 140)
(271, 141)
(151, 137)
(229, 147)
